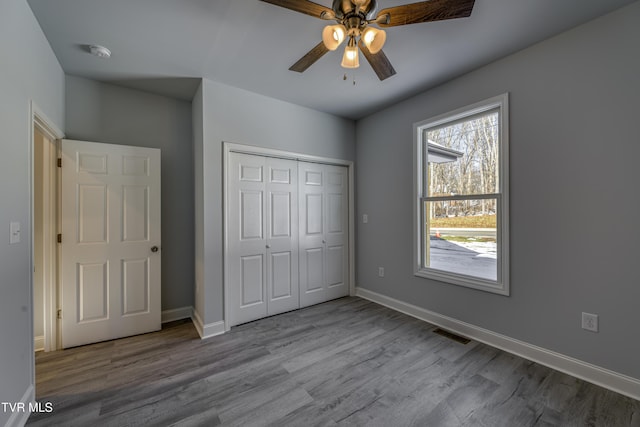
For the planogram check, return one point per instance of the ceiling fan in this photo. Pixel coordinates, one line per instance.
(355, 23)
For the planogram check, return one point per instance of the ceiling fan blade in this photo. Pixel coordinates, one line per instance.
(379, 62)
(304, 6)
(425, 11)
(310, 58)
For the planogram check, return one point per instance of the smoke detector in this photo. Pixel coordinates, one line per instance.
(99, 51)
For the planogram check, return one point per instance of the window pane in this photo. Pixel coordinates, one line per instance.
(463, 158)
(462, 237)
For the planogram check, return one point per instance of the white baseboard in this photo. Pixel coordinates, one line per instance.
(38, 343)
(611, 380)
(19, 418)
(209, 330)
(205, 331)
(176, 314)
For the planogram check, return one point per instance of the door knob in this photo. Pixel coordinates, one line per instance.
(268, 246)
(324, 241)
(154, 249)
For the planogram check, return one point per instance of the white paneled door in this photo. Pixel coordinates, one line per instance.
(110, 257)
(324, 237)
(262, 230)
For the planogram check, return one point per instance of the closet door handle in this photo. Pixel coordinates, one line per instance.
(324, 241)
(268, 246)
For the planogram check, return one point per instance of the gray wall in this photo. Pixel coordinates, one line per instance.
(103, 112)
(234, 115)
(574, 194)
(29, 71)
(198, 190)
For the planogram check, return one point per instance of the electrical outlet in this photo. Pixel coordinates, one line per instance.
(365, 218)
(590, 322)
(380, 271)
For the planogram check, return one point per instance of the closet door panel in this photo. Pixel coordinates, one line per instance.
(311, 244)
(251, 280)
(282, 235)
(246, 225)
(323, 233)
(337, 236)
(335, 266)
(314, 224)
(313, 270)
(281, 266)
(251, 214)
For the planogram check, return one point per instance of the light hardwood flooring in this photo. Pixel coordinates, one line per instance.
(347, 362)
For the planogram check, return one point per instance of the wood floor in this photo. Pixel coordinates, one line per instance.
(346, 362)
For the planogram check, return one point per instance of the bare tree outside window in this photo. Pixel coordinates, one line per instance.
(462, 231)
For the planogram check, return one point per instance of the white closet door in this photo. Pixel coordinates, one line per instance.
(323, 231)
(312, 241)
(282, 235)
(262, 237)
(246, 238)
(336, 232)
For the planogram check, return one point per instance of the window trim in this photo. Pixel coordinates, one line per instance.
(501, 285)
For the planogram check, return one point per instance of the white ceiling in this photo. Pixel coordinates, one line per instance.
(164, 46)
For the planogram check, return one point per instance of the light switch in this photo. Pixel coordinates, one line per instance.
(14, 236)
(365, 218)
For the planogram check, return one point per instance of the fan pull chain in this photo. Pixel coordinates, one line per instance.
(354, 78)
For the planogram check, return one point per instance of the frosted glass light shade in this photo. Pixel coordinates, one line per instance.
(333, 35)
(374, 39)
(350, 59)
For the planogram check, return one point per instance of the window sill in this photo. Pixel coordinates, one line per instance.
(462, 280)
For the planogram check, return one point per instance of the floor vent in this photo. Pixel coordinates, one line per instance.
(452, 336)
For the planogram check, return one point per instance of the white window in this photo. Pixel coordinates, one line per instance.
(462, 206)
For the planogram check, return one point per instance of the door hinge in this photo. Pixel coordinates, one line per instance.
(59, 238)
(59, 163)
(59, 313)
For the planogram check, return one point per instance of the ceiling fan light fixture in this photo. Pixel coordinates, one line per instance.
(333, 36)
(354, 17)
(351, 59)
(374, 39)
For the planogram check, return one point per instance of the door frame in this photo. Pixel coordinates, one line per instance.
(229, 147)
(38, 119)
